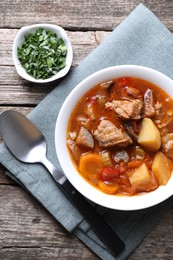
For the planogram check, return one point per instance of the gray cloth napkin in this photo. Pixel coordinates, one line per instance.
(141, 39)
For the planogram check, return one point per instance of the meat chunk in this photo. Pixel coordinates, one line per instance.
(107, 84)
(108, 135)
(127, 109)
(134, 92)
(149, 104)
(85, 138)
(167, 145)
(162, 119)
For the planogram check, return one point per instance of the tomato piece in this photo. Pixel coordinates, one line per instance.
(124, 82)
(108, 173)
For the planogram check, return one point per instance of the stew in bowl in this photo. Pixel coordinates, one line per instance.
(118, 137)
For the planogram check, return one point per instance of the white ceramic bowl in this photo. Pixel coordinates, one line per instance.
(135, 202)
(31, 29)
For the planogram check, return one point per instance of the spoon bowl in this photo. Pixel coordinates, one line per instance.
(26, 143)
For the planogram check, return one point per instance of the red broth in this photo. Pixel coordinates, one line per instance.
(107, 138)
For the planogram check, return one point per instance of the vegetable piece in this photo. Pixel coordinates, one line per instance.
(136, 127)
(106, 157)
(123, 167)
(130, 130)
(72, 135)
(139, 153)
(42, 54)
(90, 164)
(74, 149)
(124, 82)
(121, 156)
(109, 173)
(101, 101)
(162, 168)
(85, 138)
(141, 176)
(108, 188)
(149, 136)
(134, 163)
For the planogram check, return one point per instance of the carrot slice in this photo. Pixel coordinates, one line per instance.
(108, 188)
(90, 164)
(134, 163)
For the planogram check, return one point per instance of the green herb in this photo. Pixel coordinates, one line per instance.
(42, 54)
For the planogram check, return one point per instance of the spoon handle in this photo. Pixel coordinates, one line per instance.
(114, 244)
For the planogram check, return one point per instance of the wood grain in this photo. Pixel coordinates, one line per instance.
(27, 231)
(31, 233)
(78, 15)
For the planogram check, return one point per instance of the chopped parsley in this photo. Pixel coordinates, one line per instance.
(42, 54)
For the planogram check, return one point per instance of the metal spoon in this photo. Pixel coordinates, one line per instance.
(27, 144)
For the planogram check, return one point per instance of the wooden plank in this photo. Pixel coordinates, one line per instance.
(29, 232)
(20, 109)
(23, 94)
(96, 15)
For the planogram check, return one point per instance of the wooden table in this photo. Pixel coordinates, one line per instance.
(27, 231)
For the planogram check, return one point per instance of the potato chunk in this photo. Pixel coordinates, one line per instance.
(141, 176)
(149, 136)
(142, 180)
(162, 168)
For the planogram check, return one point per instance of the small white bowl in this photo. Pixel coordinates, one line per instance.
(135, 202)
(31, 29)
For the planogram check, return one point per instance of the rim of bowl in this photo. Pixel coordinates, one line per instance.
(32, 28)
(135, 202)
